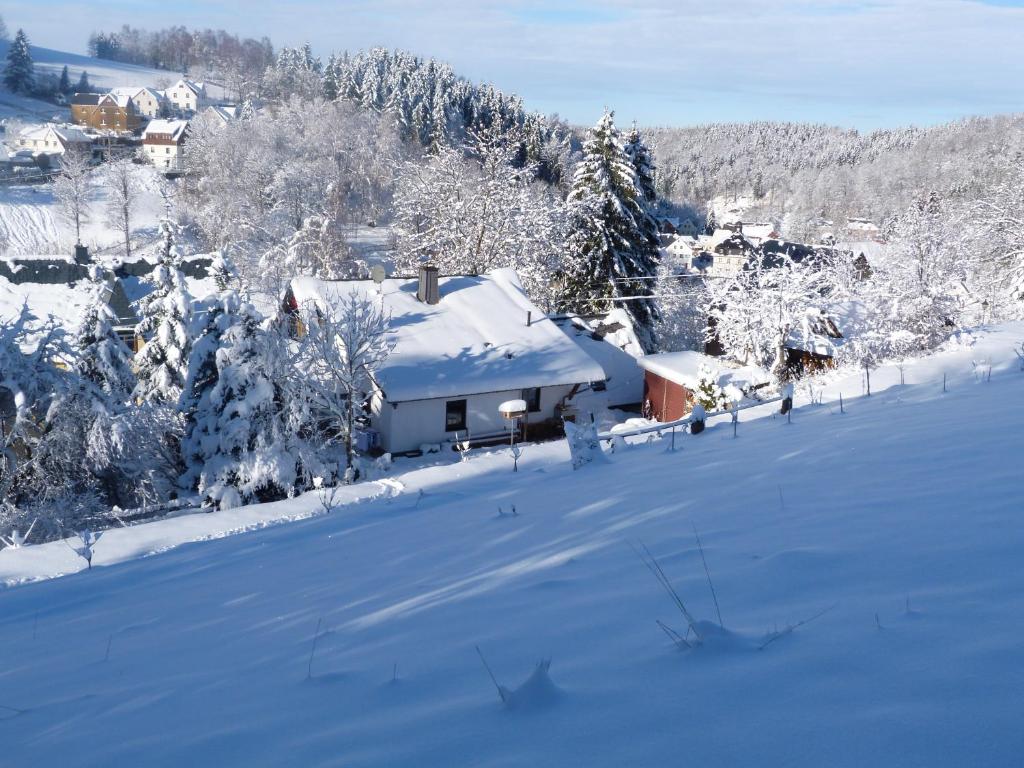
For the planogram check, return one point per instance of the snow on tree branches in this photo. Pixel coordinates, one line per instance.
(612, 245)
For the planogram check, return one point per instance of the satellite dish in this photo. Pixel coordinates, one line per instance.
(377, 274)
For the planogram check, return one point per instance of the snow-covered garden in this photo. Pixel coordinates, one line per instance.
(850, 577)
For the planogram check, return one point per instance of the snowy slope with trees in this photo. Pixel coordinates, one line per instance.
(867, 604)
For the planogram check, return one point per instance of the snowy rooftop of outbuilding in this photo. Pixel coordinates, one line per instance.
(66, 133)
(64, 303)
(475, 340)
(173, 128)
(684, 368)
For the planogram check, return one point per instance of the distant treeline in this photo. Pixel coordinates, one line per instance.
(180, 49)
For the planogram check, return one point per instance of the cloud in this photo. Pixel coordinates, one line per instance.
(867, 63)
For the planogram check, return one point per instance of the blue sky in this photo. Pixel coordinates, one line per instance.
(861, 63)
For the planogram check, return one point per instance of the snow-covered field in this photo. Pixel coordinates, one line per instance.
(31, 221)
(900, 518)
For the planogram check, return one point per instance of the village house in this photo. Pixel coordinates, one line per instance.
(163, 143)
(148, 102)
(671, 380)
(187, 97)
(463, 346)
(758, 231)
(858, 229)
(221, 115)
(53, 140)
(105, 112)
(681, 247)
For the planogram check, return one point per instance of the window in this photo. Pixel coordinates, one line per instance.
(454, 415)
(532, 398)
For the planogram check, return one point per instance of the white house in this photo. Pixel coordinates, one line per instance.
(682, 248)
(463, 346)
(163, 143)
(187, 97)
(50, 139)
(221, 114)
(148, 102)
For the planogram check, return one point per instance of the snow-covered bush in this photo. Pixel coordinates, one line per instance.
(584, 445)
(708, 393)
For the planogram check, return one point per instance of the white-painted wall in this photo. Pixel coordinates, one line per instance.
(164, 156)
(184, 99)
(147, 104)
(411, 424)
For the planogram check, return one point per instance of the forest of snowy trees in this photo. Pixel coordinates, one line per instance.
(803, 174)
(238, 62)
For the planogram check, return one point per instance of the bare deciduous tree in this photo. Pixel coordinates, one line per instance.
(123, 199)
(346, 343)
(72, 189)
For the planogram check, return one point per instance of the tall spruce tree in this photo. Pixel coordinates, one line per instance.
(19, 72)
(612, 245)
(643, 164)
(64, 86)
(83, 83)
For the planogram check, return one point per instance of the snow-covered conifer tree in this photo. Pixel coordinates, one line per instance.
(251, 452)
(212, 318)
(103, 359)
(162, 363)
(612, 246)
(19, 71)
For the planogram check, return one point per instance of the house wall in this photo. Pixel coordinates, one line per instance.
(410, 424)
(665, 400)
(48, 143)
(167, 156)
(184, 98)
(147, 104)
(106, 116)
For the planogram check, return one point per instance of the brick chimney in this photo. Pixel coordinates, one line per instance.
(427, 289)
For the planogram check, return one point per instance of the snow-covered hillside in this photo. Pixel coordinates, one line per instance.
(897, 524)
(103, 75)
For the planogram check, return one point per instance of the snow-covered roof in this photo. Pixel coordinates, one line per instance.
(64, 303)
(119, 97)
(131, 91)
(67, 134)
(475, 340)
(758, 230)
(224, 113)
(684, 368)
(612, 343)
(197, 88)
(823, 330)
(174, 128)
